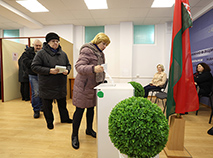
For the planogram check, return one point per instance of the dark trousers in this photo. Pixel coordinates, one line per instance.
(149, 88)
(77, 117)
(47, 107)
(25, 90)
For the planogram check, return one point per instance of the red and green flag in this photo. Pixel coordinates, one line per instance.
(182, 95)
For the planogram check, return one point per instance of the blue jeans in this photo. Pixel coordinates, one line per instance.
(35, 99)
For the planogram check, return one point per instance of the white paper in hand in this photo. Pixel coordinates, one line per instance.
(61, 68)
(105, 70)
(105, 67)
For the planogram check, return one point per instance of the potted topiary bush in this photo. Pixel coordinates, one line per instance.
(139, 90)
(138, 128)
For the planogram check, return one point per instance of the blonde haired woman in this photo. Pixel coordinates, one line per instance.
(158, 80)
(90, 74)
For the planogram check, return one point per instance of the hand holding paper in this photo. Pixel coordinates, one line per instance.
(105, 70)
(105, 67)
(60, 68)
(98, 69)
(53, 71)
(65, 72)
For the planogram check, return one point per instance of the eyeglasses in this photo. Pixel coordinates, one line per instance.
(38, 45)
(55, 41)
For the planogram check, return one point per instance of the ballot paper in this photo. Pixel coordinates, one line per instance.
(61, 68)
(105, 70)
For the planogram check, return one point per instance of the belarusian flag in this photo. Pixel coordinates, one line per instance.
(182, 95)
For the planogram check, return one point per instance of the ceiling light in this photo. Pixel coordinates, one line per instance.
(32, 5)
(96, 4)
(162, 3)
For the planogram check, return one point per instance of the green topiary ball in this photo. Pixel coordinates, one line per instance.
(139, 90)
(138, 128)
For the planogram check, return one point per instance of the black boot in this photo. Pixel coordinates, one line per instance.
(75, 142)
(210, 131)
(91, 133)
(36, 114)
(50, 126)
(67, 121)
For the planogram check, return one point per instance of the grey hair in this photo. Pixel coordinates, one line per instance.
(36, 40)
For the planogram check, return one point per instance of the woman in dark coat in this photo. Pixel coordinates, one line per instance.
(90, 74)
(52, 84)
(203, 79)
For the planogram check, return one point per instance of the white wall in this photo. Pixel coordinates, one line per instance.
(126, 52)
(65, 31)
(126, 61)
(167, 46)
(1, 33)
(112, 52)
(147, 56)
(78, 42)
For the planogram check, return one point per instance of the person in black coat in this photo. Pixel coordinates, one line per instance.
(28, 56)
(203, 79)
(52, 82)
(24, 80)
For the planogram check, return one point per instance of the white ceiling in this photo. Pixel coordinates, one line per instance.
(75, 12)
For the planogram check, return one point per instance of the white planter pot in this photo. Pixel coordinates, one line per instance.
(125, 156)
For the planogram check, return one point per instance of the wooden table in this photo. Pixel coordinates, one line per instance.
(71, 83)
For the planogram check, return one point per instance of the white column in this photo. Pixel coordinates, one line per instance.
(1, 33)
(168, 41)
(126, 50)
(79, 39)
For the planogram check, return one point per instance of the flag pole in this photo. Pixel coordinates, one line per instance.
(178, 115)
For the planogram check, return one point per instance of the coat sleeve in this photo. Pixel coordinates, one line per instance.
(84, 65)
(68, 65)
(26, 60)
(203, 77)
(37, 65)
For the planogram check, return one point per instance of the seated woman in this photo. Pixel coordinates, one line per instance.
(203, 79)
(158, 80)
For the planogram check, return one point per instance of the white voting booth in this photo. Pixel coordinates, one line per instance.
(108, 95)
